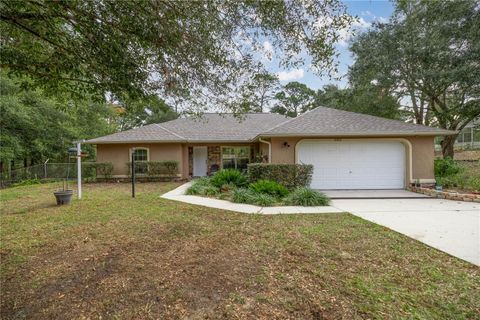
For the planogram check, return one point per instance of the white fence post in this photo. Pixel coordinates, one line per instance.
(79, 170)
(45, 169)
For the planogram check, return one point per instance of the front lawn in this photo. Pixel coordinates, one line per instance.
(112, 256)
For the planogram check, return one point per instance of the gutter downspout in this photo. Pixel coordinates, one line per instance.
(269, 149)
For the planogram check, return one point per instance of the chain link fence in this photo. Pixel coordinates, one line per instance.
(48, 172)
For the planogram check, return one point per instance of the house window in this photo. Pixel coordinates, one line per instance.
(235, 157)
(141, 157)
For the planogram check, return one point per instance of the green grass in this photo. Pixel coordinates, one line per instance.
(112, 256)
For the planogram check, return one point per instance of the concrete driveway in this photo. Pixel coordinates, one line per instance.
(450, 226)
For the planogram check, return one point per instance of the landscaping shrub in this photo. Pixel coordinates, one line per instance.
(446, 167)
(228, 187)
(243, 195)
(155, 168)
(229, 176)
(202, 187)
(306, 197)
(249, 196)
(459, 181)
(288, 175)
(263, 200)
(202, 181)
(269, 187)
(103, 169)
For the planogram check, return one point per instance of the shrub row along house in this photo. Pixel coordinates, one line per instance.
(348, 150)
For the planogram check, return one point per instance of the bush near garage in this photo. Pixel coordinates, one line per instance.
(289, 175)
(446, 167)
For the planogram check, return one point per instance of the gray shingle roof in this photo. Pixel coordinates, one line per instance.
(209, 127)
(323, 121)
(148, 133)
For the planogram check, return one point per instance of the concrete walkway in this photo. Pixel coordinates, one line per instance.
(178, 194)
(372, 194)
(449, 226)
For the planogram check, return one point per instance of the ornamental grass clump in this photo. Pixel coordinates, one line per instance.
(306, 197)
(202, 187)
(249, 196)
(263, 200)
(243, 195)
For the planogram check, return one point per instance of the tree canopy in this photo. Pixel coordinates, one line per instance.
(35, 127)
(183, 48)
(368, 99)
(294, 98)
(132, 113)
(428, 54)
(259, 94)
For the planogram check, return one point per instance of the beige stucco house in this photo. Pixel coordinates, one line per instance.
(348, 150)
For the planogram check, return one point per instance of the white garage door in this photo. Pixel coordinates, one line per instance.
(354, 165)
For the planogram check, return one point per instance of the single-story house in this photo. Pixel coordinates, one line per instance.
(348, 150)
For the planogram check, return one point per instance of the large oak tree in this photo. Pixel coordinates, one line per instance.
(189, 49)
(428, 53)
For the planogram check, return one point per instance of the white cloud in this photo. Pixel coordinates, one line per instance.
(381, 19)
(366, 13)
(290, 75)
(346, 34)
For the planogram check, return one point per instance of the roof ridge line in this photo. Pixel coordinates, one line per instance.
(175, 134)
(383, 118)
(287, 121)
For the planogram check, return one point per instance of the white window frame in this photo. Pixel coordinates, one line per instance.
(139, 148)
(249, 157)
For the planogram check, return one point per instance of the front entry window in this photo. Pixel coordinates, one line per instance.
(141, 158)
(235, 157)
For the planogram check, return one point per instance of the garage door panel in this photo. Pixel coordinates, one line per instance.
(354, 165)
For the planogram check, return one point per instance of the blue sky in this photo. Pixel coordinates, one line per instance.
(367, 12)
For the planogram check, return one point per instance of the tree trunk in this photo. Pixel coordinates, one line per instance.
(447, 146)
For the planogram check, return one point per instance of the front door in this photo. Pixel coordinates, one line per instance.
(199, 161)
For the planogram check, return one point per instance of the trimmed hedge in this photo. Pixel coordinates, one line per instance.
(103, 169)
(155, 168)
(290, 175)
